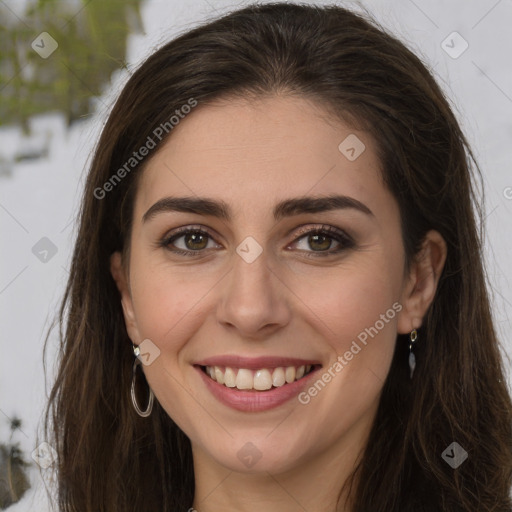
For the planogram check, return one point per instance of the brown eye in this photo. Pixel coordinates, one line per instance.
(189, 242)
(195, 241)
(319, 242)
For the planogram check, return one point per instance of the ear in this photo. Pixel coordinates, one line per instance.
(421, 285)
(119, 273)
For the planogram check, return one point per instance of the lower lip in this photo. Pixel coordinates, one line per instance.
(254, 401)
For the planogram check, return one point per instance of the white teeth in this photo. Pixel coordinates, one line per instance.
(260, 380)
(278, 378)
(244, 379)
(219, 376)
(229, 378)
(290, 374)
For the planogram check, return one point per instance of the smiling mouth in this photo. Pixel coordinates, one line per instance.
(257, 380)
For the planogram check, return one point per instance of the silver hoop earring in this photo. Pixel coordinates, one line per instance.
(149, 408)
(413, 336)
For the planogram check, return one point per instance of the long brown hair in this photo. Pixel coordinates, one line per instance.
(110, 459)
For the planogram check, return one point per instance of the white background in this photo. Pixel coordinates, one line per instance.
(41, 197)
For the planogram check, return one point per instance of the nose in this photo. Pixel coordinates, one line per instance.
(254, 302)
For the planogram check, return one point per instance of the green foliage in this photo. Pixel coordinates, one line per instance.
(13, 479)
(91, 39)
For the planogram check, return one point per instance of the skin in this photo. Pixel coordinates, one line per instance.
(253, 154)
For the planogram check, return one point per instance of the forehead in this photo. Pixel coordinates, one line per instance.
(253, 153)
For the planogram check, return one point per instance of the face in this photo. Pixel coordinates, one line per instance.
(267, 282)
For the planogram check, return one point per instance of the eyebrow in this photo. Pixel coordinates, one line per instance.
(286, 208)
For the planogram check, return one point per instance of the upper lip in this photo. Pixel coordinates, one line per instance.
(255, 363)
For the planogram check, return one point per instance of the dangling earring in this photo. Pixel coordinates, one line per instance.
(412, 358)
(149, 408)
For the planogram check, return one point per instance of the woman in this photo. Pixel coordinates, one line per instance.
(277, 299)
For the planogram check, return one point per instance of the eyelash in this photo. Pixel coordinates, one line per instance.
(339, 236)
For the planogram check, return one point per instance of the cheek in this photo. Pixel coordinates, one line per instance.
(168, 311)
(348, 299)
(166, 302)
(355, 311)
